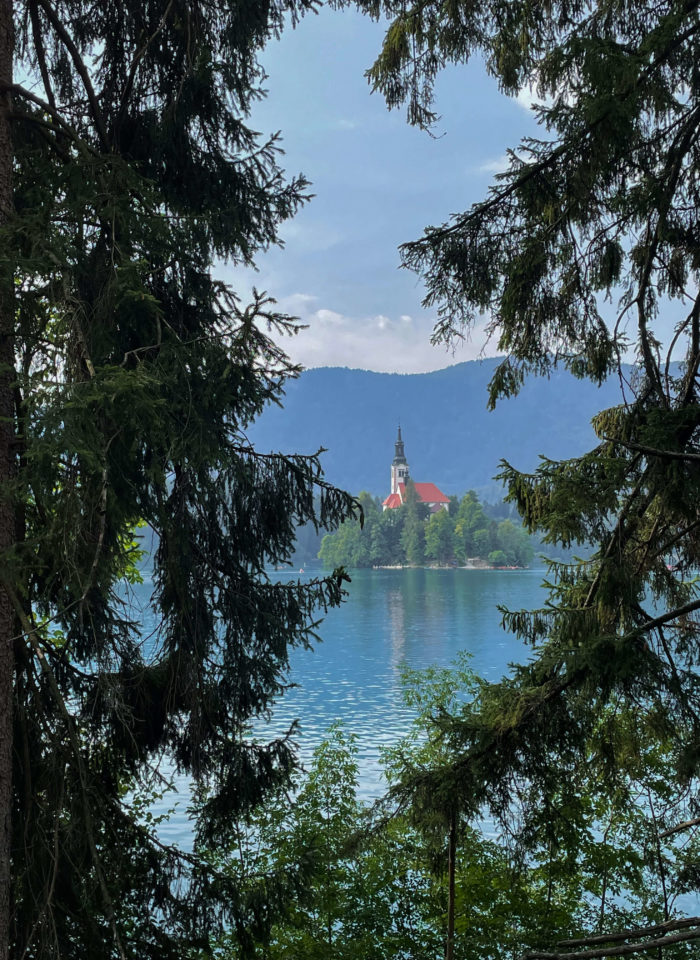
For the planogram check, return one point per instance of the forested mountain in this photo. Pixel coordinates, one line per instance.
(451, 437)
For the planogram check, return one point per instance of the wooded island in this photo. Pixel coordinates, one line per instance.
(411, 535)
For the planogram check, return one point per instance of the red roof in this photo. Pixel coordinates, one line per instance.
(427, 493)
(392, 501)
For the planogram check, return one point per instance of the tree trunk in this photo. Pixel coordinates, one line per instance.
(451, 857)
(7, 617)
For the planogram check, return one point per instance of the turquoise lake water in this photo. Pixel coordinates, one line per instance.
(392, 618)
(418, 618)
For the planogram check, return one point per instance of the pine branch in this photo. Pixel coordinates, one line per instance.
(138, 57)
(694, 353)
(79, 65)
(653, 451)
(481, 209)
(45, 129)
(623, 950)
(686, 825)
(31, 634)
(41, 52)
(618, 935)
(665, 618)
(55, 114)
(671, 175)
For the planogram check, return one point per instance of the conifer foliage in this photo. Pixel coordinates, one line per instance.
(128, 375)
(585, 250)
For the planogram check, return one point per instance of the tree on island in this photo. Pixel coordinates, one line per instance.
(472, 532)
(414, 516)
(128, 375)
(439, 534)
(385, 534)
(408, 535)
(586, 243)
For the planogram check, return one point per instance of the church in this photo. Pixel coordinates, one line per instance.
(428, 493)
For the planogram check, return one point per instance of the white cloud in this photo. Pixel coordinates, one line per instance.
(299, 303)
(393, 344)
(497, 165)
(527, 98)
(328, 317)
(345, 124)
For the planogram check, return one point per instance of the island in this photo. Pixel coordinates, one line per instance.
(417, 524)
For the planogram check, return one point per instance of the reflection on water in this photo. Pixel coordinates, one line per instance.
(392, 618)
(397, 625)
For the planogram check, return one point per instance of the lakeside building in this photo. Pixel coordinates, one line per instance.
(427, 493)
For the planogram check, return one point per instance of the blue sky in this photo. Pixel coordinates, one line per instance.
(377, 182)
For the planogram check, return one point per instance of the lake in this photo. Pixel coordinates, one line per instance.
(392, 618)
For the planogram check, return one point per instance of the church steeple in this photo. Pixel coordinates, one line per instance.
(426, 493)
(399, 465)
(399, 455)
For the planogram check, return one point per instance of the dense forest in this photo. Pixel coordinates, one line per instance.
(410, 534)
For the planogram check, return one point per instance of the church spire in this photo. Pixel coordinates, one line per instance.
(399, 455)
(399, 465)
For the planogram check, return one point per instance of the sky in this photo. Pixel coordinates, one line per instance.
(377, 183)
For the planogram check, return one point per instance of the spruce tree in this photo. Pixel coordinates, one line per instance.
(128, 376)
(7, 459)
(582, 248)
(412, 539)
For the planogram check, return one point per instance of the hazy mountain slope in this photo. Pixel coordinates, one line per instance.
(451, 438)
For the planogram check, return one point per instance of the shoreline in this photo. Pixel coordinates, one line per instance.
(441, 566)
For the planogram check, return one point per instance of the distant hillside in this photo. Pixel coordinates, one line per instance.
(451, 438)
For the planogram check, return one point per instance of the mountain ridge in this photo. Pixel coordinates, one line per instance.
(451, 438)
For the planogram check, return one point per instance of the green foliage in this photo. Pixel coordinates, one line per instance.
(471, 534)
(412, 538)
(136, 376)
(438, 536)
(408, 536)
(370, 888)
(498, 558)
(592, 852)
(514, 543)
(360, 892)
(371, 881)
(385, 535)
(576, 257)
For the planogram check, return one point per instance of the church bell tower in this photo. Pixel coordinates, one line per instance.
(399, 466)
